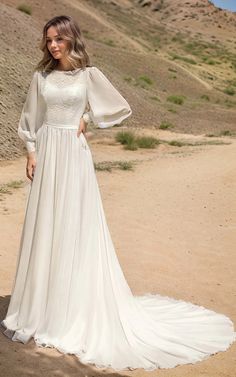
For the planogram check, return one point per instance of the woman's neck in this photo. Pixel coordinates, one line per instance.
(64, 65)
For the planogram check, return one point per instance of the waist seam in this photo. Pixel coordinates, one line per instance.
(60, 125)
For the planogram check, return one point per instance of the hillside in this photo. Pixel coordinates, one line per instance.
(174, 61)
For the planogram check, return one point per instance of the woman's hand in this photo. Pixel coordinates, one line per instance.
(31, 165)
(82, 127)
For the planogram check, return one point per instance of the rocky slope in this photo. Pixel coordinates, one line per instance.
(174, 61)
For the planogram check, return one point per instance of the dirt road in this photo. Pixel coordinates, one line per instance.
(173, 223)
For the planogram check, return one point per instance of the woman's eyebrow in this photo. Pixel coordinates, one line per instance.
(54, 36)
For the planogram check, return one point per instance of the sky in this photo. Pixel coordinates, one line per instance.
(226, 4)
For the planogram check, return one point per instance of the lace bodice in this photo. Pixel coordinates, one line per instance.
(63, 97)
(68, 107)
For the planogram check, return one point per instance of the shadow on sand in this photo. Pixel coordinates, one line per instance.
(24, 360)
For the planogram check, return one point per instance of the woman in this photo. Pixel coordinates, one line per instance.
(69, 290)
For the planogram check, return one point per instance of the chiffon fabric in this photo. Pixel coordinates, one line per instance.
(69, 290)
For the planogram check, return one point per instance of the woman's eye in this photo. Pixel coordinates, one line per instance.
(58, 40)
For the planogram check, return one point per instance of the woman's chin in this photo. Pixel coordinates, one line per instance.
(56, 56)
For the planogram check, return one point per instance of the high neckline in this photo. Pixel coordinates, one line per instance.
(67, 71)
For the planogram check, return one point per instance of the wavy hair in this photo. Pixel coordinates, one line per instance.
(68, 29)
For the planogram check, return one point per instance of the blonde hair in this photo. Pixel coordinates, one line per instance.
(68, 29)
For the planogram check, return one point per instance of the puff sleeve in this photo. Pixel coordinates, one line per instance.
(32, 114)
(107, 106)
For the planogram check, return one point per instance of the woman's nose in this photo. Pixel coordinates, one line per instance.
(54, 43)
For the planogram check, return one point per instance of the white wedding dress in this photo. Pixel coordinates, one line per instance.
(69, 290)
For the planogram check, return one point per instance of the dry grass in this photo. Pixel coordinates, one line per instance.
(6, 188)
(109, 165)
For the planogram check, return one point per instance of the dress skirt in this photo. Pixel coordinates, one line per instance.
(69, 290)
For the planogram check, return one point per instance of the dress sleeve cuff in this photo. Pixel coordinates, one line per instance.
(30, 146)
(86, 117)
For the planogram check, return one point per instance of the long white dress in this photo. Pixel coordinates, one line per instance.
(69, 290)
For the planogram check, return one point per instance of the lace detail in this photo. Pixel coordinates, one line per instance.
(65, 95)
(61, 97)
(63, 79)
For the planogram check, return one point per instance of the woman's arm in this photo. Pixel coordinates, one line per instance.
(107, 106)
(31, 120)
(30, 165)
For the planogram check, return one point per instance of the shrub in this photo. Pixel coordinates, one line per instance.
(205, 97)
(109, 165)
(232, 82)
(5, 188)
(128, 78)
(178, 100)
(229, 90)
(226, 133)
(172, 110)
(132, 146)
(102, 166)
(165, 125)
(125, 137)
(25, 8)
(183, 58)
(172, 70)
(176, 143)
(146, 79)
(211, 62)
(229, 103)
(147, 142)
(131, 142)
(125, 165)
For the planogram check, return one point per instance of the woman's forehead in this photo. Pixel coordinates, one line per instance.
(52, 31)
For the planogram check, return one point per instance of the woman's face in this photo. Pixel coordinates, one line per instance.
(55, 43)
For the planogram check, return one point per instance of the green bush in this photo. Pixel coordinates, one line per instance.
(178, 100)
(229, 90)
(226, 133)
(146, 79)
(184, 59)
(109, 165)
(102, 166)
(125, 165)
(131, 142)
(205, 97)
(172, 70)
(128, 78)
(132, 146)
(176, 143)
(165, 125)
(125, 137)
(211, 62)
(172, 110)
(25, 8)
(5, 188)
(147, 142)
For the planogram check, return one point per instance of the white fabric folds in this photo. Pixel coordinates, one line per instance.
(69, 290)
(32, 113)
(107, 106)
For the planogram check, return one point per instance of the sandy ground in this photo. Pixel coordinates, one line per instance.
(172, 220)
